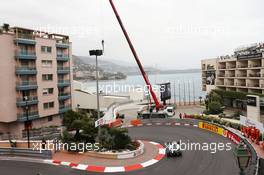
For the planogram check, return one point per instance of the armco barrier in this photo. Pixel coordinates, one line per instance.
(25, 153)
(261, 166)
(235, 137)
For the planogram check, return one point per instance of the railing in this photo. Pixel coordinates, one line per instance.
(62, 55)
(241, 75)
(254, 75)
(26, 83)
(63, 81)
(63, 68)
(31, 114)
(244, 84)
(253, 85)
(25, 53)
(45, 154)
(25, 36)
(64, 94)
(30, 98)
(26, 68)
(62, 41)
(221, 75)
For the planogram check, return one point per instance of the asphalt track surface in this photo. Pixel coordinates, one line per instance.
(192, 162)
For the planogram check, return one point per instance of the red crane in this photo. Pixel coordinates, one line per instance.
(158, 105)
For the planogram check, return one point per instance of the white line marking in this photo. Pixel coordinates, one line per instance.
(162, 151)
(114, 169)
(65, 163)
(154, 143)
(150, 162)
(186, 124)
(195, 125)
(140, 125)
(81, 167)
(158, 123)
(149, 124)
(177, 124)
(48, 161)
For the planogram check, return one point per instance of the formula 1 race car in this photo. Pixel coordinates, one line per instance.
(173, 149)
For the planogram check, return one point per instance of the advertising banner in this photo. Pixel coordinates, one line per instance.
(233, 137)
(212, 128)
(245, 121)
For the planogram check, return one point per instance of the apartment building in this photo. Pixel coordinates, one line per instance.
(35, 76)
(243, 71)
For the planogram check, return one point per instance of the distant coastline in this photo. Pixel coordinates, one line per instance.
(176, 71)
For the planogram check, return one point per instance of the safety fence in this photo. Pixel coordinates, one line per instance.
(236, 137)
(25, 153)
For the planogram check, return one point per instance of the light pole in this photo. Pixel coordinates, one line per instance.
(27, 121)
(243, 157)
(97, 53)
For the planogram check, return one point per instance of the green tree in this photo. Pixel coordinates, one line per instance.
(215, 107)
(82, 124)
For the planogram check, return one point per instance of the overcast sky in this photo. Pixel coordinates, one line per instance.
(168, 34)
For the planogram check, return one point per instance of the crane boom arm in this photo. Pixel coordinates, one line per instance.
(158, 105)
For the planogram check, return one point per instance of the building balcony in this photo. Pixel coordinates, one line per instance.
(62, 45)
(64, 83)
(254, 75)
(63, 70)
(221, 67)
(221, 75)
(31, 101)
(63, 57)
(64, 108)
(25, 55)
(26, 70)
(253, 85)
(26, 85)
(27, 39)
(24, 116)
(241, 75)
(64, 96)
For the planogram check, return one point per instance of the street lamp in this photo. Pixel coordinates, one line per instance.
(243, 157)
(27, 121)
(97, 53)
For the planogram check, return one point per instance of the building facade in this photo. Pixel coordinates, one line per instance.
(35, 74)
(241, 72)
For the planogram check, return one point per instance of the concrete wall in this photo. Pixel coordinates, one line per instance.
(8, 112)
(89, 101)
(47, 84)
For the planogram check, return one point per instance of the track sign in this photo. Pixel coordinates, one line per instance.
(99, 122)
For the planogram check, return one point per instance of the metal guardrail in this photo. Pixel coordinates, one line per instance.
(261, 167)
(253, 164)
(25, 153)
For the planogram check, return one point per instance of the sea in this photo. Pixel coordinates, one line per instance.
(184, 86)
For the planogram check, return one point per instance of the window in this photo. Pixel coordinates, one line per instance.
(47, 77)
(46, 49)
(50, 118)
(47, 91)
(46, 63)
(48, 105)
